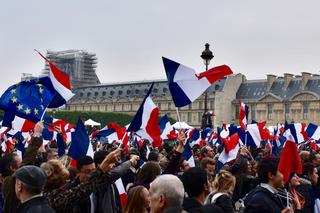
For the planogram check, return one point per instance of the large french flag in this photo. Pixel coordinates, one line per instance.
(61, 84)
(243, 115)
(185, 85)
(145, 122)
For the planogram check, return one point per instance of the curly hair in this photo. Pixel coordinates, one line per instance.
(57, 174)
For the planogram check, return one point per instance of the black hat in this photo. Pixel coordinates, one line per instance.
(32, 176)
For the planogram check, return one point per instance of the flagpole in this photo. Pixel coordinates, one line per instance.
(177, 110)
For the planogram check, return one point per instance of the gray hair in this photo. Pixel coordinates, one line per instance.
(172, 188)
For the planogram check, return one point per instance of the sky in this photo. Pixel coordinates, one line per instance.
(129, 37)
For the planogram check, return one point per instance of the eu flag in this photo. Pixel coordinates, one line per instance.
(27, 99)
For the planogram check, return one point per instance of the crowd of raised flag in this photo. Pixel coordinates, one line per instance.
(50, 165)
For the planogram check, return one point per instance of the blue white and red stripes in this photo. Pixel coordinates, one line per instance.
(166, 128)
(145, 122)
(60, 82)
(243, 115)
(185, 85)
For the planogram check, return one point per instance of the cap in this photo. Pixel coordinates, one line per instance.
(32, 176)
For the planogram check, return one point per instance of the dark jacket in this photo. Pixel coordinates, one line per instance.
(35, 205)
(107, 198)
(263, 201)
(78, 194)
(308, 192)
(191, 205)
(10, 199)
(224, 202)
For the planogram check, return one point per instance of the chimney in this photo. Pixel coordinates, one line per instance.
(287, 78)
(305, 78)
(270, 79)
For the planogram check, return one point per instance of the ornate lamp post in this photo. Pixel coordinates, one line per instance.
(206, 117)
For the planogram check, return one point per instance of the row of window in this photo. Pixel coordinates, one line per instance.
(120, 92)
(252, 110)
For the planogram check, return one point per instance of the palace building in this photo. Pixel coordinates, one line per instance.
(275, 99)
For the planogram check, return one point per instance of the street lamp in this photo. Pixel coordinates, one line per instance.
(206, 117)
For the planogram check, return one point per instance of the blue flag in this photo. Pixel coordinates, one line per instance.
(27, 99)
(79, 141)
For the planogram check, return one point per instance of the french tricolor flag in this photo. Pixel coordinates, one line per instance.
(122, 192)
(194, 136)
(20, 125)
(313, 131)
(145, 122)
(243, 115)
(166, 128)
(185, 85)
(290, 161)
(297, 131)
(230, 151)
(187, 154)
(256, 132)
(61, 84)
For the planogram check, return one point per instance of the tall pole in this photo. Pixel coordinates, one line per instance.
(206, 96)
(206, 119)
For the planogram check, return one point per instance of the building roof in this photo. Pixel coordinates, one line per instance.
(131, 89)
(256, 89)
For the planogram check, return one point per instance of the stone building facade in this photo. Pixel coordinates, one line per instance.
(277, 99)
(126, 98)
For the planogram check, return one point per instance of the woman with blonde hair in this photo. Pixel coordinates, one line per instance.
(223, 186)
(57, 174)
(138, 200)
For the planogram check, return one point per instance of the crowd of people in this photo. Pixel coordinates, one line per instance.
(156, 180)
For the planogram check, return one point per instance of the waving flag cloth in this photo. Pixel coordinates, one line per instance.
(297, 131)
(145, 122)
(60, 82)
(187, 154)
(193, 135)
(313, 131)
(167, 131)
(230, 151)
(21, 125)
(122, 192)
(243, 115)
(27, 99)
(290, 161)
(122, 135)
(256, 132)
(80, 143)
(277, 141)
(185, 85)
